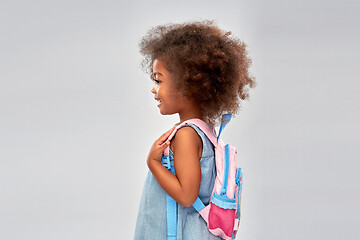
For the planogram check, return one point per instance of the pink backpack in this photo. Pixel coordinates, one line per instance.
(222, 214)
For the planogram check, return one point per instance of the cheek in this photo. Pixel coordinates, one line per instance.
(176, 97)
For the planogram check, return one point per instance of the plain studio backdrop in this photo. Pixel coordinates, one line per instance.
(77, 117)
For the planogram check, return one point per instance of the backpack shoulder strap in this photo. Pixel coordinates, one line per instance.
(171, 205)
(210, 134)
(204, 127)
(225, 119)
(200, 124)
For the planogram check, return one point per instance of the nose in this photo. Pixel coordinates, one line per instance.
(153, 89)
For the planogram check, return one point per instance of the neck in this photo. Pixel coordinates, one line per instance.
(190, 114)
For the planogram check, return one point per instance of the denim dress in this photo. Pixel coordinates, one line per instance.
(151, 220)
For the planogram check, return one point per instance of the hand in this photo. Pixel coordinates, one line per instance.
(158, 147)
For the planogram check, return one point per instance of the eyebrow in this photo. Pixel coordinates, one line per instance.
(157, 73)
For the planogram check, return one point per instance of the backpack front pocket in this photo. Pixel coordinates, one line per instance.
(222, 215)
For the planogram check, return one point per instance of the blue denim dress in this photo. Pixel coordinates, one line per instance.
(151, 220)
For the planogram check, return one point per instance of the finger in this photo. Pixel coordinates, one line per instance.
(164, 145)
(166, 135)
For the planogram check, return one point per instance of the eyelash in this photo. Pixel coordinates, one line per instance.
(157, 81)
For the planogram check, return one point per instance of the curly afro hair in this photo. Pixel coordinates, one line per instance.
(208, 66)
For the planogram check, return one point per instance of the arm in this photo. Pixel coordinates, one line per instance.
(187, 147)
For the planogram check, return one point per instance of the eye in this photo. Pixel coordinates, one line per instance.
(154, 78)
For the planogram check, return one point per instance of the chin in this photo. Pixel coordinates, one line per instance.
(163, 112)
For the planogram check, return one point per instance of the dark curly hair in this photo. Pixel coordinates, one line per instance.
(208, 65)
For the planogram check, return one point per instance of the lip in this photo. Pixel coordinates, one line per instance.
(159, 100)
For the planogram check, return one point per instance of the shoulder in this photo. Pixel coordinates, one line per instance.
(186, 138)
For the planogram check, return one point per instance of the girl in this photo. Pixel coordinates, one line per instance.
(199, 71)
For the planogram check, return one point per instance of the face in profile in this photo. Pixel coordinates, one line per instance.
(169, 99)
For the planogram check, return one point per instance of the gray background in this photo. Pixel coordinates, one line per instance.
(77, 117)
